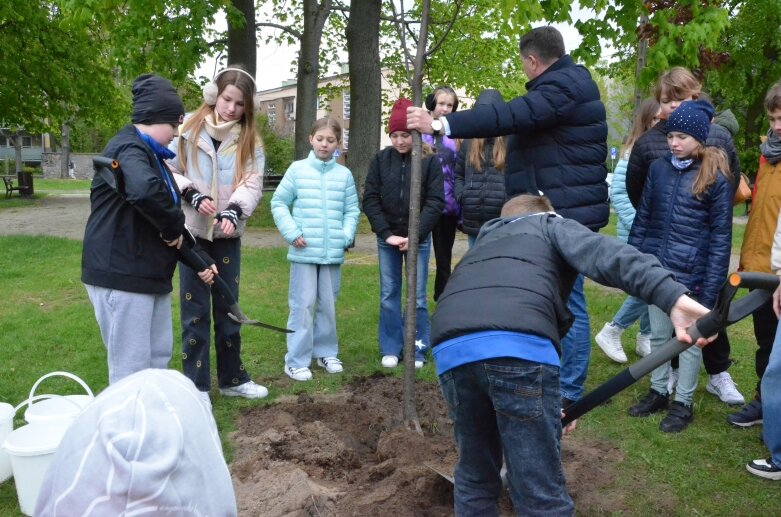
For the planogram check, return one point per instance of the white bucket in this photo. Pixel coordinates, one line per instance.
(6, 426)
(31, 449)
(55, 408)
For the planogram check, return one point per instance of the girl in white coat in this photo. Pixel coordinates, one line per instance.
(219, 169)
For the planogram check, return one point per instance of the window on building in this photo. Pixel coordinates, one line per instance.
(27, 141)
(345, 139)
(346, 105)
(3, 141)
(272, 114)
(290, 110)
(37, 140)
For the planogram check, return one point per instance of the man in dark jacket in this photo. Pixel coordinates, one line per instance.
(496, 335)
(130, 242)
(558, 147)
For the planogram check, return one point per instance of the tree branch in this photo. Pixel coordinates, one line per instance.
(284, 28)
(450, 24)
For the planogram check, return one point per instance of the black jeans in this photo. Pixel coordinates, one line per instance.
(443, 236)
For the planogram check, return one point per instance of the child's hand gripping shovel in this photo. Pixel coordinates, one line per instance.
(189, 252)
(725, 313)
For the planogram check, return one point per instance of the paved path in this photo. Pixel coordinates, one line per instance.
(65, 215)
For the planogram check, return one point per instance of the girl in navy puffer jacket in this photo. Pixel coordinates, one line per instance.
(685, 220)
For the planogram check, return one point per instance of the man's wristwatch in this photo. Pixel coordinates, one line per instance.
(436, 126)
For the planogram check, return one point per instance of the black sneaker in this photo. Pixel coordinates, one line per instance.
(764, 469)
(678, 418)
(651, 403)
(750, 414)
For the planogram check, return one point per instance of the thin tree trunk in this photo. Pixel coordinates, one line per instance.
(410, 410)
(242, 39)
(642, 51)
(315, 15)
(65, 153)
(363, 33)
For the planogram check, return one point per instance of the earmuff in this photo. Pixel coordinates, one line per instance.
(431, 101)
(211, 90)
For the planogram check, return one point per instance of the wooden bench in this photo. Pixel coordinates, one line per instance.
(8, 181)
(271, 182)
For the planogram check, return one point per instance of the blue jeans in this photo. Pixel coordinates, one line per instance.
(631, 310)
(507, 407)
(391, 326)
(312, 300)
(771, 401)
(576, 345)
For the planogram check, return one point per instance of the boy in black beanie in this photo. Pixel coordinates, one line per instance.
(130, 241)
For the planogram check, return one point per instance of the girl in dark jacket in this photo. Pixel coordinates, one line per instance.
(386, 199)
(685, 220)
(480, 182)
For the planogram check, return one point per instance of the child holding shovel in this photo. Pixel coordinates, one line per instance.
(130, 242)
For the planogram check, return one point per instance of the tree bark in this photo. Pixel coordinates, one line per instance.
(315, 15)
(363, 34)
(242, 39)
(410, 410)
(642, 51)
(65, 152)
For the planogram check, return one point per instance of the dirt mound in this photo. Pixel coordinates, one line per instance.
(349, 454)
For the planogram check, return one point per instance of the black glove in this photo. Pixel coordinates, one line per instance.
(195, 198)
(231, 213)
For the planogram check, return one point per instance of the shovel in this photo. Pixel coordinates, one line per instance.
(190, 253)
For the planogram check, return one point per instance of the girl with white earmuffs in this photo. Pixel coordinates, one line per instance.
(219, 169)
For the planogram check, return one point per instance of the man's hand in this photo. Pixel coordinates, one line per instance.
(683, 315)
(400, 242)
(420, 119)
(569, 427)
(207, 275)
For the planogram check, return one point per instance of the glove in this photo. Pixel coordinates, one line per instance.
(195, 198)
(231, 213)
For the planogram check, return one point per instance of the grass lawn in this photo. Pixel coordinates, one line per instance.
(47, 324)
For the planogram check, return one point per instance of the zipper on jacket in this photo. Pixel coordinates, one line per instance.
(324, 200)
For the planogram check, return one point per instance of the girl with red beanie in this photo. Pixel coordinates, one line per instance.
(386, 200)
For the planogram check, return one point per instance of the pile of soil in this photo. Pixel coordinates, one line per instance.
(350, 454)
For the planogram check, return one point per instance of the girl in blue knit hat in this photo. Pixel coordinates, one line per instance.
(685, 220)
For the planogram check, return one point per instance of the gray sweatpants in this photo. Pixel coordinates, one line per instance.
(135, 327)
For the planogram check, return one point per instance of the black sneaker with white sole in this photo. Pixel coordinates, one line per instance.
(750, 414)
(764, 469)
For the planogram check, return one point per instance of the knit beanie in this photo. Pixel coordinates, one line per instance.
(692, 118)
(155, 101)
(146, 445)
(398, 116)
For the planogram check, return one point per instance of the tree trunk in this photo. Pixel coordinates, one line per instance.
(642, 51)
(410, 410)
(65, 153)
(315, 15)
(363, 34)
(242, 39)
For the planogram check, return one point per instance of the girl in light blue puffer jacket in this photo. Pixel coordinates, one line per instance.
(315, 208)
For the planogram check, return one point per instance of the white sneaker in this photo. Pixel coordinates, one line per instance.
(672, 380)
(331, 364)
(204, 396)
(643, 342)
(298, 374)
(419, 364)
(724, 387)
(390, 361)
(609, 340)
(248, 390)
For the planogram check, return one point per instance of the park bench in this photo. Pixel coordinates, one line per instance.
(8, 181)
(271, 182)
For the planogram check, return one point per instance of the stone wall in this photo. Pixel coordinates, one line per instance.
(82, 165)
